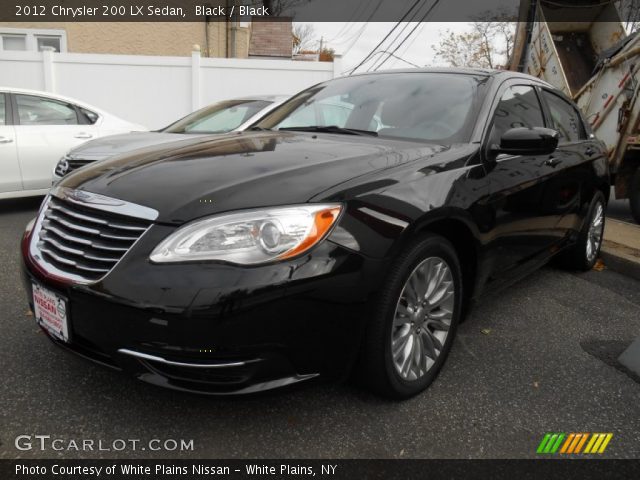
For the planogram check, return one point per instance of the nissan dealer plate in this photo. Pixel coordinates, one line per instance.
(50, 310)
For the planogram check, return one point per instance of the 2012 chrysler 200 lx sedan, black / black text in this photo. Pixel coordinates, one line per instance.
(346, 232)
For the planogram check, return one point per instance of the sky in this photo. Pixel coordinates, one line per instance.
(354, 40)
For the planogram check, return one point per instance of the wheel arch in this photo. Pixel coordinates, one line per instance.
(462, 233)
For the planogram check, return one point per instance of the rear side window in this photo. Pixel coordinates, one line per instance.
(3, 109)
(33, 110)
(518, 107)
(87, 117)
(564, 118)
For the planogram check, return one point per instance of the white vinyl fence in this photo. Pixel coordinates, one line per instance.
(155, 91)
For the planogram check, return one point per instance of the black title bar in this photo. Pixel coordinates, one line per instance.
(319, 469)
(307, 10)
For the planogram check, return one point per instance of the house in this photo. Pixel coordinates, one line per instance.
(227, 39)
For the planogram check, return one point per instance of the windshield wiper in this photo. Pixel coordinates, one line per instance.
(333, 129)
(259, 129)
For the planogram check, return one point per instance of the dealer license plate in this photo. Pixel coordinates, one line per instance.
(50, 310)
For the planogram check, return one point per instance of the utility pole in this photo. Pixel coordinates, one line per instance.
(320, 51)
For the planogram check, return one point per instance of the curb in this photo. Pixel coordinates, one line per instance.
(621, 259)
(621, 247)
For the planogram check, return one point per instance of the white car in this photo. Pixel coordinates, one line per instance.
(37, 128)
(221, 117)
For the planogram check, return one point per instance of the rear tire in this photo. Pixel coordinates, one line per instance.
(412, 329)
(634, 195)
(585, 252)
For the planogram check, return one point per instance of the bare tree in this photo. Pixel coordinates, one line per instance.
(460, 50)
(488, 43)
(629, 11)
(304, 37)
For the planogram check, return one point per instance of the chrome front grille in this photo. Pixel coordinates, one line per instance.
(82, 236)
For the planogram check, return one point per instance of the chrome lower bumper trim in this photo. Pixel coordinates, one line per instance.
(154, 358)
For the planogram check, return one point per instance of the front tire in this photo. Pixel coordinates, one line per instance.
(634, 195)
(415, 320)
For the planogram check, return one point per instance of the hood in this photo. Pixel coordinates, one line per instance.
(202, 176)
(107, 147)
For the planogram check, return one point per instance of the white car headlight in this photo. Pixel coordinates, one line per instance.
(252, 237)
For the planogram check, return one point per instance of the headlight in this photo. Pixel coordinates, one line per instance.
(249, 238)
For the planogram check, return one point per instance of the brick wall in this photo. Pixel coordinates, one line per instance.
(271, 39)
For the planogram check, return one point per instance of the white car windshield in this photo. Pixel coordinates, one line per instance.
(218, 118)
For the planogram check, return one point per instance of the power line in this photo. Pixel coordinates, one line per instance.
(406, 25)
(424, 17)
(410, 44)
(358, 34)
(397, 57)
(345, 28)
(435, 3)
(380, 52)
(385, 37)
(364, 27)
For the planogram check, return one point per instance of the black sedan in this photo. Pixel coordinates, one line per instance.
(347, 232)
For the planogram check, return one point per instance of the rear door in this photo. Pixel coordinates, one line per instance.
(575, 161)
(46, 129)
(10, 177)
(524, 220)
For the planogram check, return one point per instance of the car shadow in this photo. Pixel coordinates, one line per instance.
(15, 205)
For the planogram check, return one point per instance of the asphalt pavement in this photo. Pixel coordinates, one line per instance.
(536, 358)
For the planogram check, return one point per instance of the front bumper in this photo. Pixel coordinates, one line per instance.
(220, 329)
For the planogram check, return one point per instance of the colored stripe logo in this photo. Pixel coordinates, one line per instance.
(574, 443)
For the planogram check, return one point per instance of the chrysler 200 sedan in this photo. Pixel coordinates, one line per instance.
(323, 241)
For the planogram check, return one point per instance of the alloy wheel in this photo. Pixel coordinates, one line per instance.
(596, 230)
(422, 318)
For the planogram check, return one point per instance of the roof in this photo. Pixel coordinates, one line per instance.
(266, 98)
(487, 72)
(54, 96)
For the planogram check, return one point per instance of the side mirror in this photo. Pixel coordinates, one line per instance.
(527, 141)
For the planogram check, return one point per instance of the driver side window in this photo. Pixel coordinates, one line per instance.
(518, 107)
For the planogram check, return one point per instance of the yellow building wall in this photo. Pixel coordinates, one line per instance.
(145, 38)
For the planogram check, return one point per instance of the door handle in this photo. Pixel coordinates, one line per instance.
(83, 135)
(590, 151)
(553, 162)
(6, 140)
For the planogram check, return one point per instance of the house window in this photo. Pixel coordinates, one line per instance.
(48, 41)
(33, 40)
(14, 42)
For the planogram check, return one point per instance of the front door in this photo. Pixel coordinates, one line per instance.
(524, 221)
(47, 129)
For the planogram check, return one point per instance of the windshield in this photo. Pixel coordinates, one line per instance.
(431, 107)
(220, 117)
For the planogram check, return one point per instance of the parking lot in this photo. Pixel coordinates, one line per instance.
(536, 358)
